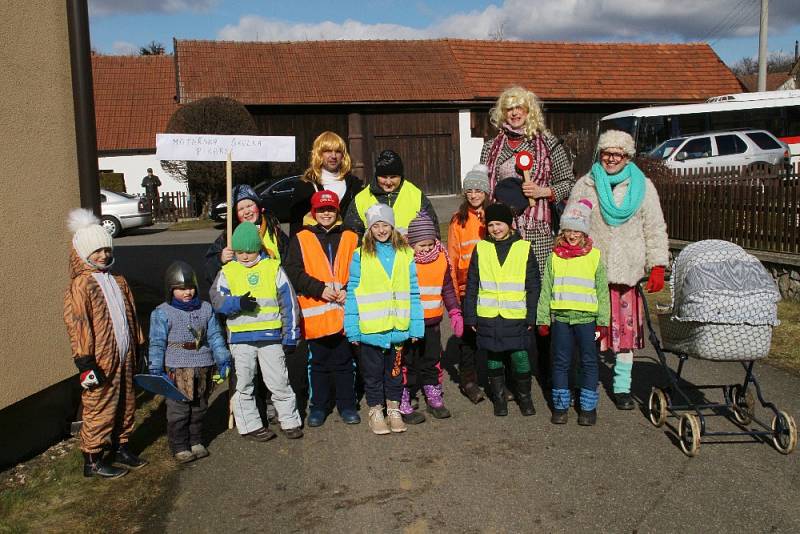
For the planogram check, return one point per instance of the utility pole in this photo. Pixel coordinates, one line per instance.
(762, 47)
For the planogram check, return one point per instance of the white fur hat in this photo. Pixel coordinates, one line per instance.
(380, 213)
(88, 236)
(617, 139)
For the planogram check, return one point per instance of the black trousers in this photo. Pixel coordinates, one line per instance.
(185, 423)
(467, 348)
(331, 363)
(421, 358)
(382, 373)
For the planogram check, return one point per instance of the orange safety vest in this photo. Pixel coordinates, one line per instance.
(430, 277)
(321, 318)
(461, 243)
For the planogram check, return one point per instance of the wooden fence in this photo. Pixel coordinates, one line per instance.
(758, 209)
(171, 207)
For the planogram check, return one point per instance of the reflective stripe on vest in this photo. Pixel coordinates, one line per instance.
(384, 303)
(406, 207)
(431, 278)
(259, 280)
(502, 288)
(321, 318)
(573, 282)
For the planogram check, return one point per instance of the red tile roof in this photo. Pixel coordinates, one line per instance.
(312, 72)
(133, 100)
(774, 80)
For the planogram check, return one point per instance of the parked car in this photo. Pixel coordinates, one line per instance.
(121, 211)
(276, 198)
(725, 148)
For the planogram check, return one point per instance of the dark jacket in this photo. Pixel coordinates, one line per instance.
(352, 221)
(213, 261)
(301, 200)
(499, 334)
(304, 283)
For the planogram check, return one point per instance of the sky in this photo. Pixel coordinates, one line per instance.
(730, 26)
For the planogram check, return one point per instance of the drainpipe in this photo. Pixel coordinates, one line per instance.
(83, 98)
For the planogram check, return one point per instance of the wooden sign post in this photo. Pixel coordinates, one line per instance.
(524, 162)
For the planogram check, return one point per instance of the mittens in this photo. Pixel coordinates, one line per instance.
(544, 330)
(656, 281)
(457, 322)
(248, 303)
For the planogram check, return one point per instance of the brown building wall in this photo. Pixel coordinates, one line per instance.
(40, 185)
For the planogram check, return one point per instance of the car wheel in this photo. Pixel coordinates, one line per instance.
(111, 225)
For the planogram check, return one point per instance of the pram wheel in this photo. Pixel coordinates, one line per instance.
(657, 407)
(785, 433)
(744, 405)
(689, 432)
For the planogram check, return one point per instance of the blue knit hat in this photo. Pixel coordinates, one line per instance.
(245, 192)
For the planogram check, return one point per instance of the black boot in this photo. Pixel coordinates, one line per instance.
(497, 386)
(125, 457)
(524, 398)
(468, 384)
(93, 466)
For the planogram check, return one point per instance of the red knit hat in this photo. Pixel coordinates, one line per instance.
(323, 198)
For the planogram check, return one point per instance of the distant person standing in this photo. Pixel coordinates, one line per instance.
(151, 183)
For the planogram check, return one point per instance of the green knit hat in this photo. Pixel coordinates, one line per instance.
(245, 238)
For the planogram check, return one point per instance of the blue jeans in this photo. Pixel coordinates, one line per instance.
(563, 337)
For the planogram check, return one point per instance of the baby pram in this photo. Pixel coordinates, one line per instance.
(724, 306)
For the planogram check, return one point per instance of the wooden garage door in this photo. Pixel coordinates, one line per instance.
(427, 142)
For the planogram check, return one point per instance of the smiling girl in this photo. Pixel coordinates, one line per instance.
(573, 306)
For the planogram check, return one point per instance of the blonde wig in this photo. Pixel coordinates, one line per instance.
(324, 142)
(518, 97)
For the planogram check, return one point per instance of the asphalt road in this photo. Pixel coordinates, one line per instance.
(475, 472)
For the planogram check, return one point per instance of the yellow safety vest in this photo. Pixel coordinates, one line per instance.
(502, 288)
(573, 282)
(271, 245)
(406, 207)
(259, 280)
(384, 304)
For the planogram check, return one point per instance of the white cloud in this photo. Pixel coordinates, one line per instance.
(113, 7)
(124, 48)
(573, 20)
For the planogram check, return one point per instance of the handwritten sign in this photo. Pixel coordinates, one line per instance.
(198, 147)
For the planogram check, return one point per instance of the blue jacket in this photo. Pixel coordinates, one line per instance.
(227, 304)
(386, 255)
(159, 332)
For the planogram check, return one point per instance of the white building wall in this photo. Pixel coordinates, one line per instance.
(135, 168)
(470, 146)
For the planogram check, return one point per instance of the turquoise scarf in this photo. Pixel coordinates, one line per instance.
(616, 215)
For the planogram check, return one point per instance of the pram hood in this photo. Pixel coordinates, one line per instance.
(716, 281)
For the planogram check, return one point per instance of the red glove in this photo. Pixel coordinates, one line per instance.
(656, 281)
(600, 333)
(544, 330)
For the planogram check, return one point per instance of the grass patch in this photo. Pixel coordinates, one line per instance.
(785, 351)
(194, 224)
(50, 493)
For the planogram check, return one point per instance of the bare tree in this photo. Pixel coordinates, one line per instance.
(499, 31)
(776, 62)
(220, 116)
(154, 48)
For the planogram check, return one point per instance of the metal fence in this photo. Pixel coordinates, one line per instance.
(756, 208)
(170, 207)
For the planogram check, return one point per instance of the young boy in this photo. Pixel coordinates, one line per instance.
(500, 305)
(318, 264)
(259, 302)
(186, 337)
(105, 336)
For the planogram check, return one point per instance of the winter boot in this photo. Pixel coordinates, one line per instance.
(468, 384)
(394, 416)
(497, 386)
(433, 396)
(126, 458)
(93, 466)
(409, 414)
(587, 417)
(561, 401)
(377, 423)
(524, 398)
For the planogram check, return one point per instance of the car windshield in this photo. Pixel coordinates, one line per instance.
(666, 148)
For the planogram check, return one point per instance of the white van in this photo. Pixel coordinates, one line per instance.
(721, 149)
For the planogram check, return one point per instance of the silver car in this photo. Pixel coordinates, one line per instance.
(121, 211)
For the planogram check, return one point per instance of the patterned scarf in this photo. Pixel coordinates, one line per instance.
(567, 251)
(540, 173)
(432, 255)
